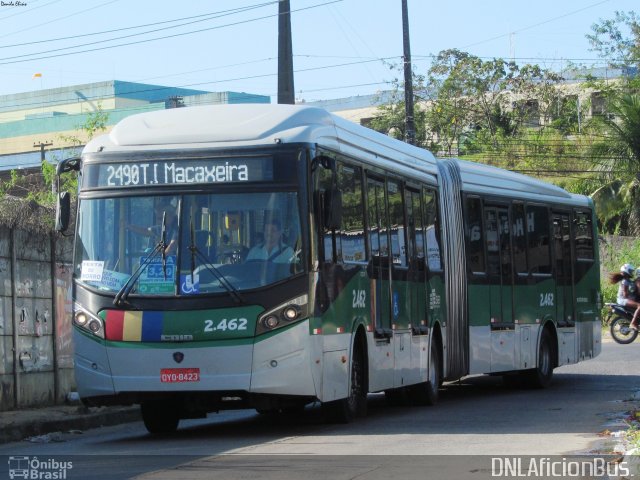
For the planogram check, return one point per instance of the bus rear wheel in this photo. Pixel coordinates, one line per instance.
(160, 417)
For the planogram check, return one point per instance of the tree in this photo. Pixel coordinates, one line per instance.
(391, 116)
(616, 150)
(618, 40)
(617, 156)
(465, 101)
(495, 98)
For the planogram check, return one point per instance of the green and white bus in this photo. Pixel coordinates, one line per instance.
(273, 256)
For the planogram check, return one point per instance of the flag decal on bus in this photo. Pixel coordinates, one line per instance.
(133, 326)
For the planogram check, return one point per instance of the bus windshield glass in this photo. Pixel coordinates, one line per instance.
(189, 244)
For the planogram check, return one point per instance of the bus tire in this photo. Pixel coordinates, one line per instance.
(160, 417)
(427, 393)
(541, 376)
(355, 405)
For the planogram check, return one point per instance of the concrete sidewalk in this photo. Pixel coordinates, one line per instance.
(18, 425)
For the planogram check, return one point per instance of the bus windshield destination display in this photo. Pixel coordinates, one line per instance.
(176, 172)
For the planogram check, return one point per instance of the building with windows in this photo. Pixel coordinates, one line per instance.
(43, 123)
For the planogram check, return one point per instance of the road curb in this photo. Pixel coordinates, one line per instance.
(27, 423)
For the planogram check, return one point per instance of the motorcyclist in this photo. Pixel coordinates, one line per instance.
(627, 291)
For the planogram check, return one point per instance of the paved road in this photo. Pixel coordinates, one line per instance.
(478, 416)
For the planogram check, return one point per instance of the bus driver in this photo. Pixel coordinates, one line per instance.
(272, 249)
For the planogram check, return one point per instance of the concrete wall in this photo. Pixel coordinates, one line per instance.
(35, 305)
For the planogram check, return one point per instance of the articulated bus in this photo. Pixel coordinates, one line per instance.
(275, 256)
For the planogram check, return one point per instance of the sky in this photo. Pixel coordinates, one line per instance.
(341, 48)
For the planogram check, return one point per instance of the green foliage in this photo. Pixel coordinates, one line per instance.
(615, 154)
(391, 116)
(485, 102)
(618, 39)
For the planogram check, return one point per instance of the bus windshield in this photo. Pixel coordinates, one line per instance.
(189, 244)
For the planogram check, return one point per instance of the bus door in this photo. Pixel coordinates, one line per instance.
(401, 286)
(499, 263)
(381, 359)
(500, 277)
(563, 270)
(417, 263)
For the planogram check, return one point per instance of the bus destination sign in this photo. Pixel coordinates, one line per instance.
(180, 172)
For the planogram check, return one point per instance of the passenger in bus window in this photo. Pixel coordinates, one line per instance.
(171, 222)
(627, 291)
(273, 249)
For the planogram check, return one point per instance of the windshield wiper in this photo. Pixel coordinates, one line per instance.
(195, 252)
(126, 289)
(163, 241)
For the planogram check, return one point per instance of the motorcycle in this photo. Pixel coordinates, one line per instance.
(619, 319)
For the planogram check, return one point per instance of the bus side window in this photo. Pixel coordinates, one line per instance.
(415, 231)
(538, 236)
(351, 236)
(432, 230)
(324, 183)
(584, 235)
(396, 224)
(518, 234)
(475, 241)
(377, 212)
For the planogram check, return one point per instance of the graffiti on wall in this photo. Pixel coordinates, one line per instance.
(63, 335)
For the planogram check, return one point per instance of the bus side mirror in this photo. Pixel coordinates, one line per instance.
(63, 211)
(68, 165)
(333, 209)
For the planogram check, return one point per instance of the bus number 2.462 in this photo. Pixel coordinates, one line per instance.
(359, 299)
(224, 325)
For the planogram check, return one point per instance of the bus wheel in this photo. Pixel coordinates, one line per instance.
(160, 416)
(426, 393)
(355, 405)
(540, 377)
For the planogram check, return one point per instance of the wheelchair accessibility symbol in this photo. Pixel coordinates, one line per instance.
(188, 285)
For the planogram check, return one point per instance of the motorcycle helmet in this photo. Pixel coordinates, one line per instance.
(628, 269)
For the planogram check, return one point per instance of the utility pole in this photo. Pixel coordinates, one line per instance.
(285, 55)
(410, 129)
(41, 146)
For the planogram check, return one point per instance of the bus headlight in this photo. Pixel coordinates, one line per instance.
(86, 321)
(291, 312)
(81, 318)
(271, 322)
(283, 315)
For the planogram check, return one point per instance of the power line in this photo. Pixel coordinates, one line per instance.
(537, 24)
(21, 11)
(50, 40)
(196, 84)
(212, 16)
(146, 40)
(53, 21)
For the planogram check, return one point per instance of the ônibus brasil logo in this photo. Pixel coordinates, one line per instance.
(36, 469)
